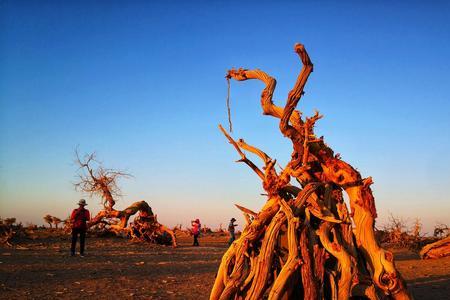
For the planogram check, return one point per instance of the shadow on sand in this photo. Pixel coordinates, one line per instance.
(431, 287)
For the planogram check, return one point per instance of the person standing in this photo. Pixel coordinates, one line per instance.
(231, 231)
(79, 219)
(196, 231)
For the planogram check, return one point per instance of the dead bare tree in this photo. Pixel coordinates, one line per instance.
(441, 230)
(416, 229)
(56, 221)
(396, 234)
(94, 179)
(302, 243)
(52, 220)
(49, 220)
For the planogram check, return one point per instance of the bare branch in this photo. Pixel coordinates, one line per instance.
(243, 159)
(246, 210)
(94, 179)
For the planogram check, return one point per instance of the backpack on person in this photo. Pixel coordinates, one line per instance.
(79, 220)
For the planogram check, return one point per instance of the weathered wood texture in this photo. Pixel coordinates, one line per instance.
(437, 249)
(302, 243)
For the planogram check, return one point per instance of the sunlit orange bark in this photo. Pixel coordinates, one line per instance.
(325, 224)
(437, 249)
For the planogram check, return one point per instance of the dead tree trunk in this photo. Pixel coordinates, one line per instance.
(319, 255)
(103, 182)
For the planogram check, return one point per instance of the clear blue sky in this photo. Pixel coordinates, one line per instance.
(142, 84)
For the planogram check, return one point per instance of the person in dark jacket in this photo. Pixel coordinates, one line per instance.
(231, 231)
(79, 219)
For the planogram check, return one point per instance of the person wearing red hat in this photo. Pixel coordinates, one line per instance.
(196, 231)
(78, 219)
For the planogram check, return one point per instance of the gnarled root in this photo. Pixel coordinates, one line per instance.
(293, 261)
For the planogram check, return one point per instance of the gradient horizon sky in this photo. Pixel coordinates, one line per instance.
(142, 84)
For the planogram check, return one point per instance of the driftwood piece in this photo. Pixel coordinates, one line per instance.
(437, 249)
(302, 244)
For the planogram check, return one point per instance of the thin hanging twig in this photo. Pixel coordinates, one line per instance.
(228, 104)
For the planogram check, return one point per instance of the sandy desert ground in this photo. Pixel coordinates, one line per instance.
(115, 268)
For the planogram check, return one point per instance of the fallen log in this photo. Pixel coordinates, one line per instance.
(437, 249)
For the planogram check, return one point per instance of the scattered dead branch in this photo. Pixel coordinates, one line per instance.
(301, 244)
